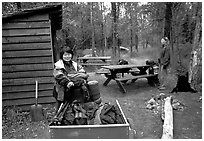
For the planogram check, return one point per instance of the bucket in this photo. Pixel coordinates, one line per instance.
(94, 90)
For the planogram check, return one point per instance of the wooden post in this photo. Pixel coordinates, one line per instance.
(168, 120)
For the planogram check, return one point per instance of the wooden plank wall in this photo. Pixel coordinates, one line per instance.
(27, 57)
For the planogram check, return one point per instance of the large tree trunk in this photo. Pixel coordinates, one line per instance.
(195, 67)
(168, 27)
(168, 20)
(114, 34)
(192, 80)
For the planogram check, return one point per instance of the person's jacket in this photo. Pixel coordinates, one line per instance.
(165, 56)
(62, 76)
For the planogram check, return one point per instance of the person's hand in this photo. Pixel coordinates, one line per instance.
(82, 71)
(70, 84)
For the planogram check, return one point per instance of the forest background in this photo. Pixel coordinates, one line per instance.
(105, 26)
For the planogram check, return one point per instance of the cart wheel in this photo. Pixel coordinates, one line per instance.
(130, 121)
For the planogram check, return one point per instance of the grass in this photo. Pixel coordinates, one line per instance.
(17, 124)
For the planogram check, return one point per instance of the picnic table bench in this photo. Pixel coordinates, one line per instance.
(94, 61)
(139, 72)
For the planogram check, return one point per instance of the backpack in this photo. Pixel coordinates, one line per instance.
(110, 114)
(122, 62)
(79, 92)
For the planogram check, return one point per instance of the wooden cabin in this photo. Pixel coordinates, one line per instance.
(28, 43)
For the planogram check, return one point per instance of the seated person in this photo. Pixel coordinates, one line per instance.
(66, 71)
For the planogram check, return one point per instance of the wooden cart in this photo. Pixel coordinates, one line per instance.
(110, 131)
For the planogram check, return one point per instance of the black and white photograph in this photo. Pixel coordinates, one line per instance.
(101, 70)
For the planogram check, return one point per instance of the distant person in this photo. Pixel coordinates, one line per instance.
(164, 61)
(66, 72)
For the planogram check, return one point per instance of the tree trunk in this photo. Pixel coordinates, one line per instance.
(104, 33)
(114, 27)
(131, 40)
(136, 29)
(118, 39)
(168, 27)
(92, 25)
(195, 67)
(168, 20)
(131, 33)
(136, 42)
(82, 31)
(102, 27)
(105, 39)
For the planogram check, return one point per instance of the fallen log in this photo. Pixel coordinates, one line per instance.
(168, 119)
(162, 97)
(162, 110)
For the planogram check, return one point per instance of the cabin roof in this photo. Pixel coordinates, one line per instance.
(55, 12)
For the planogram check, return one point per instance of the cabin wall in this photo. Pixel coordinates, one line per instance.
(27, 57)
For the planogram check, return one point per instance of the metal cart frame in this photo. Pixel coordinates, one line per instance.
(110, 131)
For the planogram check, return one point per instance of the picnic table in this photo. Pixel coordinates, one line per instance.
(98, 60)
(134, 72)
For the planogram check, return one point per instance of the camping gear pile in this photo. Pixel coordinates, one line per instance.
(109, 122)
(86, 111)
